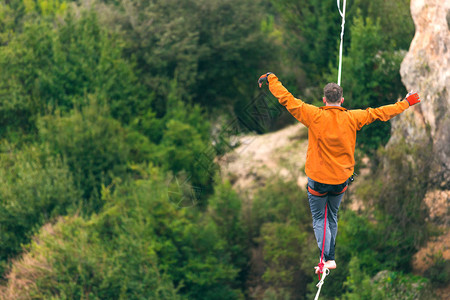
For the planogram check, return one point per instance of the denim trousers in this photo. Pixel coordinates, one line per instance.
(317, 206)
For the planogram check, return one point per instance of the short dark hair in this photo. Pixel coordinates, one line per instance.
(333, 92)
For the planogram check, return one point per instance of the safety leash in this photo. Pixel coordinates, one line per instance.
(321, 263)
(322, 270)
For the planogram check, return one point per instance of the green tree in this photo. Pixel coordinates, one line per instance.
(226, 211)
(92, 144)
(284, 253)
(281, 230)
(87, 60)
(20, 60)
(72, 260)
(385, 285)
(6, 23)
(358, 239)
(139, 246)
(311, 31)
(57, 65)
(210, 48)
(394, 17)
(402, 211)
(35, 187)
(185, 144)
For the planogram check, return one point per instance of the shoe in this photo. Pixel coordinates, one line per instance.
(330, 264)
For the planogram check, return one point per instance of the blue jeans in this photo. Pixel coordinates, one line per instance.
(317, 206)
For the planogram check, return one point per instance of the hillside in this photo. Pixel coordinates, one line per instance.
(262, 157)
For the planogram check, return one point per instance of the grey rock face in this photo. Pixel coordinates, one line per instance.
(426, 69)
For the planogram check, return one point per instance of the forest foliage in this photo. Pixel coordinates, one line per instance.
(112, 113)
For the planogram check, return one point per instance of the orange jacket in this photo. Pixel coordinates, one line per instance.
(331, 132)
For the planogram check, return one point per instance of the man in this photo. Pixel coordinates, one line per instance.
(330, 158)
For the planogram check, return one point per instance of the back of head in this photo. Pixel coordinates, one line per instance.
(333, 93)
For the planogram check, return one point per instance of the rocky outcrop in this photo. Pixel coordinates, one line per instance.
(426, 69)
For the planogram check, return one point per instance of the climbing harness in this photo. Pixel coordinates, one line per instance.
(342, 13)
(352, 178)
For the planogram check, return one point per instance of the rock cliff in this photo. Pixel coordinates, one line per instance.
(426, 69)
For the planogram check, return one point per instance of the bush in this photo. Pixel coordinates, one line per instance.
(35, 187)
(385, 285)
(286, 257)
(280, 201)
(185, 145)
(70, 260)
(439, 272)
(211, 48)
(140, 246)
(92, 144)
(282, 235)
(357, 238)
(402, 213)
(226, 211)
(56, 65)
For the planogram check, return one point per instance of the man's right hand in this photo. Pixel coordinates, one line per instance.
(412, 98)
(263, 78)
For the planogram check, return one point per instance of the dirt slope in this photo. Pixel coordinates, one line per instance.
(261, 157)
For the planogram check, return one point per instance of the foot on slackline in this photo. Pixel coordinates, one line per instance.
(330, 264)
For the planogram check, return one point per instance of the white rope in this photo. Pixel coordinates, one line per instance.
(319, 285)
(342, 13)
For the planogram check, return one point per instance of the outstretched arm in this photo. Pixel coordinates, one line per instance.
(302, 111)
(384, 113)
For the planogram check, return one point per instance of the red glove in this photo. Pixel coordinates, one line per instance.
(412, 98)
(263, 78)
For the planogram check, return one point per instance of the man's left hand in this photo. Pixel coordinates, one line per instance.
(263, 78)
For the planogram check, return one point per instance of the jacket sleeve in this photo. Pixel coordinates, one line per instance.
(302, 111)
(382, 113)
